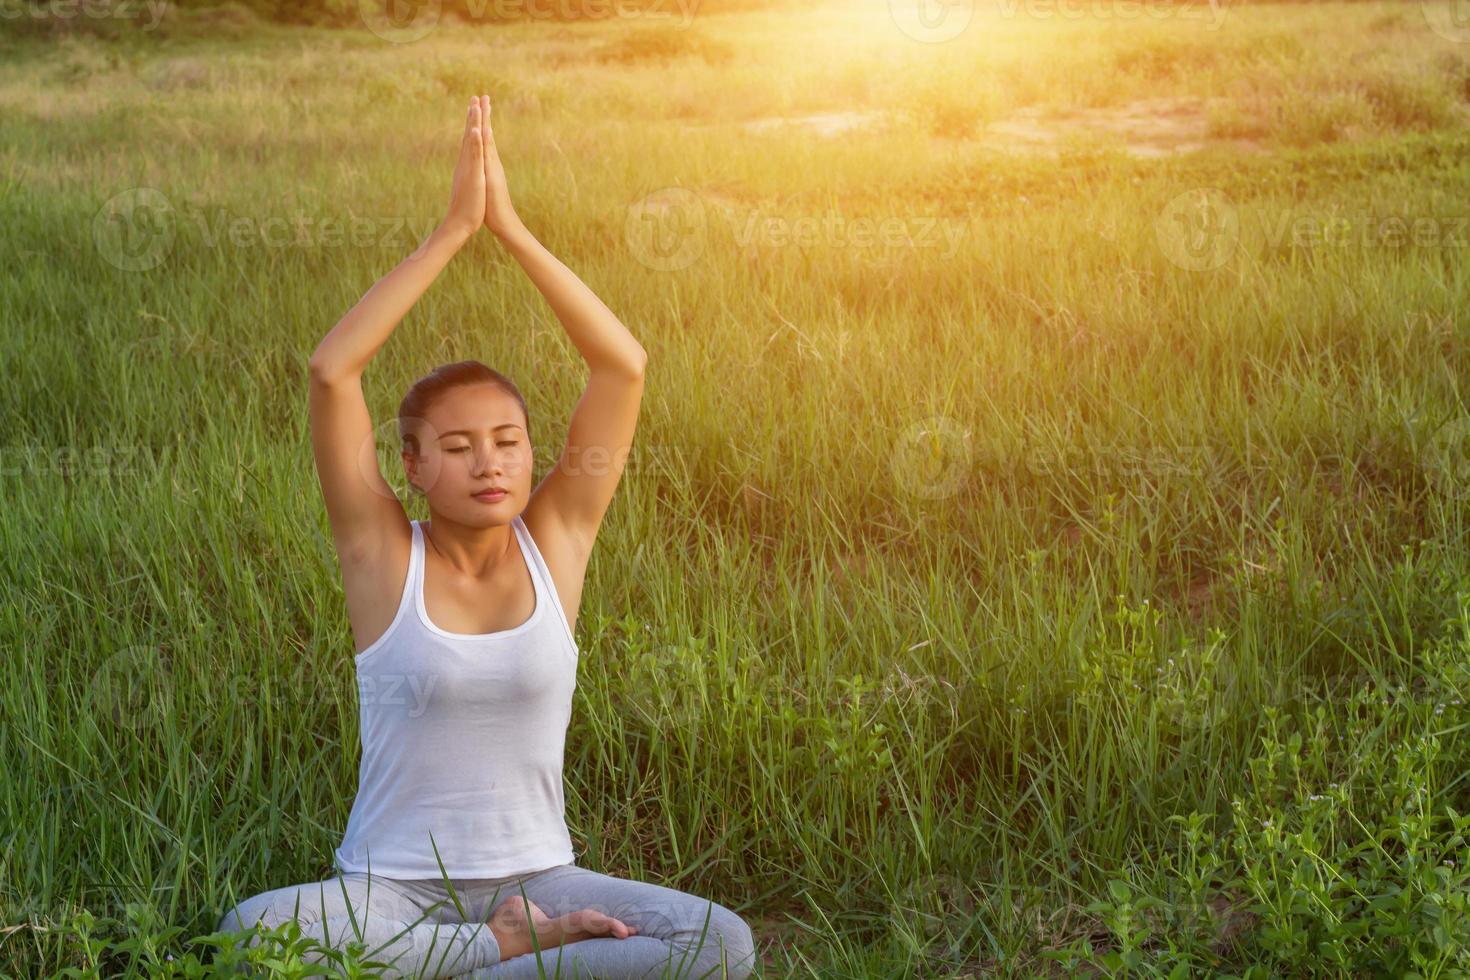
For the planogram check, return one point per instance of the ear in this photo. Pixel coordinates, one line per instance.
(411, 470)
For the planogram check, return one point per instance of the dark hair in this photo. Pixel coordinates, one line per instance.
(423, 392)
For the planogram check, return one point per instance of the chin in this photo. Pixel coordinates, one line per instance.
(491, 515)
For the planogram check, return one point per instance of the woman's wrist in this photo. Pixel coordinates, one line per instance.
(454, 230)
(511, 231)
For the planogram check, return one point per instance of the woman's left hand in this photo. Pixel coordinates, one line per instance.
(500, 217)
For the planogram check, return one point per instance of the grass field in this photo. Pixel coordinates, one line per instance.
(1044, 549)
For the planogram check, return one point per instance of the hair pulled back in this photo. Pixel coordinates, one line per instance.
(426, 390)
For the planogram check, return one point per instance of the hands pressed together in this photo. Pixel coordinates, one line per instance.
(479, 195)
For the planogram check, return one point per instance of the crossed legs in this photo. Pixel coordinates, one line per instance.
(413, 926)
(679, 936)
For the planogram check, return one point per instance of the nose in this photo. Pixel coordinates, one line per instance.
(487, 461)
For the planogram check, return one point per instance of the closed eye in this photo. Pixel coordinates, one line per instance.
(465, 449)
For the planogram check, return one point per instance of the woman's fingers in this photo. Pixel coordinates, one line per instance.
(473, 141)
(467, 191)
(488, 137)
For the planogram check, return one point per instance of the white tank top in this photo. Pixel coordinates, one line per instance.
(462, 738)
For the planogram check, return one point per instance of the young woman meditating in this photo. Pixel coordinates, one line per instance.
(466, 658)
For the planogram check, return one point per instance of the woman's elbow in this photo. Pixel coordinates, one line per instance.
(323, 371)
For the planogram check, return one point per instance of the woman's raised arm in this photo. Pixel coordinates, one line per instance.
(579, 488)
(361, 507)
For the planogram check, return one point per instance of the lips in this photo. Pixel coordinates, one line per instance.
(494, 493)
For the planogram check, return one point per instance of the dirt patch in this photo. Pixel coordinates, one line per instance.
(1143, 128)
(827, 124)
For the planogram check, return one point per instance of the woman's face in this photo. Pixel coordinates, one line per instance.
(473, 438)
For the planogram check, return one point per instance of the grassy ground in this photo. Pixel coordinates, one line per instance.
(1064, 570)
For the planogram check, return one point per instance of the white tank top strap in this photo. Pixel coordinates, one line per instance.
(416, 559)
(545, 584)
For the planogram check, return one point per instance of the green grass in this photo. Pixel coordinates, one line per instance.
(1012, 691)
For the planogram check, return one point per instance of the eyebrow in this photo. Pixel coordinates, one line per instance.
(467, 432)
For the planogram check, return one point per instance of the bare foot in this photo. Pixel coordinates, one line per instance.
(509, 924)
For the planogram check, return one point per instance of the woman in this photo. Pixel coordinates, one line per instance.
(466, 658)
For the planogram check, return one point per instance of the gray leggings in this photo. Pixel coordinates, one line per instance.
(414, 925)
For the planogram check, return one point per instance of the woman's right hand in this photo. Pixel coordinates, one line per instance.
(467, 195)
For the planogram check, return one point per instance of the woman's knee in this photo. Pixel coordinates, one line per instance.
(256, 908)
(278, 906)
(728, 941)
